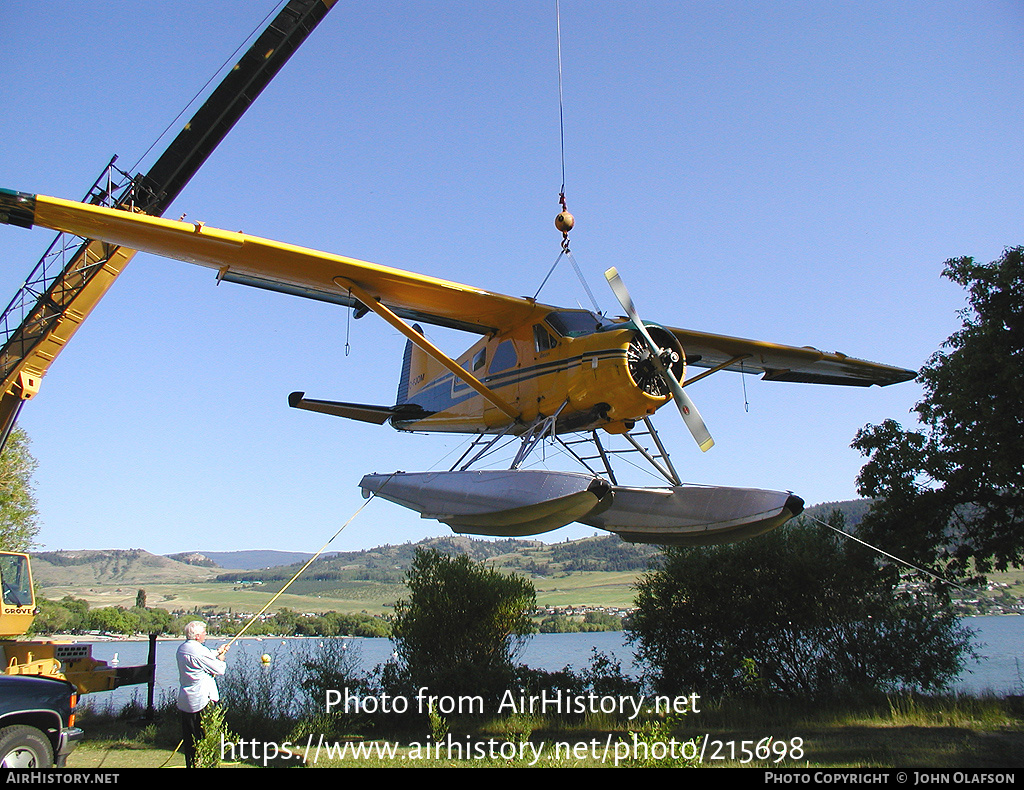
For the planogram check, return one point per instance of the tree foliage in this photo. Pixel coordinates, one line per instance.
(462, 625)
(799, 611)
(19, 517)
(953, 491)
(73, 615)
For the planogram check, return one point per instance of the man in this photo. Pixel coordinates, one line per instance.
(198, 666)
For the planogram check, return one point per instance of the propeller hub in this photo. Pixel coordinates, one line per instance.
(642, 364)
(669, 376)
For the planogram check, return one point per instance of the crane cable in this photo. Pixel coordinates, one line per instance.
(561, 116)
(564, 221)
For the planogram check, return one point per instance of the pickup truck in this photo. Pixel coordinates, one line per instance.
(37, 721)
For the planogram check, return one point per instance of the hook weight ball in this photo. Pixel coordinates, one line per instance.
(564, 222)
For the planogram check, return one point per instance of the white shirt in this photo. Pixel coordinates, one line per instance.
(197, 668)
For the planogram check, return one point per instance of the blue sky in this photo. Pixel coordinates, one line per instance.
(796, 172)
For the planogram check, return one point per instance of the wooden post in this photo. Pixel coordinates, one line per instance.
(151, 683)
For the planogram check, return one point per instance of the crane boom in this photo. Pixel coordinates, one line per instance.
(69, 281)
(74, 274)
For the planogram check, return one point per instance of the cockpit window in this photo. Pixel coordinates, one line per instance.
(574, 323)
(504, 357)
(542, 340)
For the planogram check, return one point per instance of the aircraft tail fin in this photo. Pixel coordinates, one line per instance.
(418, 369)
(403, 381)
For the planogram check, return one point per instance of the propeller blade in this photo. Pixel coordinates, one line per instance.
(690, 415)
(622, 294)
(687, 410)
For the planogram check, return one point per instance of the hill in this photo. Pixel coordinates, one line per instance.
(530, 557)
(598, 571)
(113, 566)
(853, 511)
(241, 560)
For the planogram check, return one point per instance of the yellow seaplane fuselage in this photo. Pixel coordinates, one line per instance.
(569, 363)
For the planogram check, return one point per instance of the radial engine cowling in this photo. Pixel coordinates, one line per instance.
(640, 361)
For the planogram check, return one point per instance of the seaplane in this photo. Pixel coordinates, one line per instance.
(537, 373)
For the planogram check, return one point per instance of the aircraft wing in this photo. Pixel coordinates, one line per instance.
(784, 363)
(287, 268)
(276, 266)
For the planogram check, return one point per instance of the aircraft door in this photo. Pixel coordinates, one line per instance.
(502, 376)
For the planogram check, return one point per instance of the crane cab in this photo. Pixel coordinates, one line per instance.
(18, 607)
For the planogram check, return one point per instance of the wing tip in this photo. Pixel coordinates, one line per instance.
(17, 208)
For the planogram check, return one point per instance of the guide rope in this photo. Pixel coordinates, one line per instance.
(312, 559)
(917, 568)
(281, 592)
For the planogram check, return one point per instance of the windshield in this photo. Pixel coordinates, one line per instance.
(17, 589)
(574, 323)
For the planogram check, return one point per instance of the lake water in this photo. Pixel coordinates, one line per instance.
(1000, 641)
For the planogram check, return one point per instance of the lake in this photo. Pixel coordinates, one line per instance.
(1000, 642)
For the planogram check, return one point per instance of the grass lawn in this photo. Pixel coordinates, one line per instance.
(945, 732)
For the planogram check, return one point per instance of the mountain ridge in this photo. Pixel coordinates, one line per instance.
(384, 563)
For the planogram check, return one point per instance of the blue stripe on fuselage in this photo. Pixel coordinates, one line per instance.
(440, 394)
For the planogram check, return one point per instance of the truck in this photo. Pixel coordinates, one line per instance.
(66, 661)
(42, 679)
(40, 686)
(37, 721)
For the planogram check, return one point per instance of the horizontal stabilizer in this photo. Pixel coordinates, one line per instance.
(378, 415)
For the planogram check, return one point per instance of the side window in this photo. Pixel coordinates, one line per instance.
(471, 365)
(542, 339)
(504, 357)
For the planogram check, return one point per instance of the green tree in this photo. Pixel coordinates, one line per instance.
(462, 625)
(151, 621)
(285, 621)
(52, 618)
(952, 493)
(19, 517)
(111, 619)
(800, 611)
(78, 609)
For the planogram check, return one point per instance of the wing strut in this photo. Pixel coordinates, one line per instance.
(715, 369)
(428, 347)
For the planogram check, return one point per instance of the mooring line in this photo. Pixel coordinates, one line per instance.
(891, 556)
